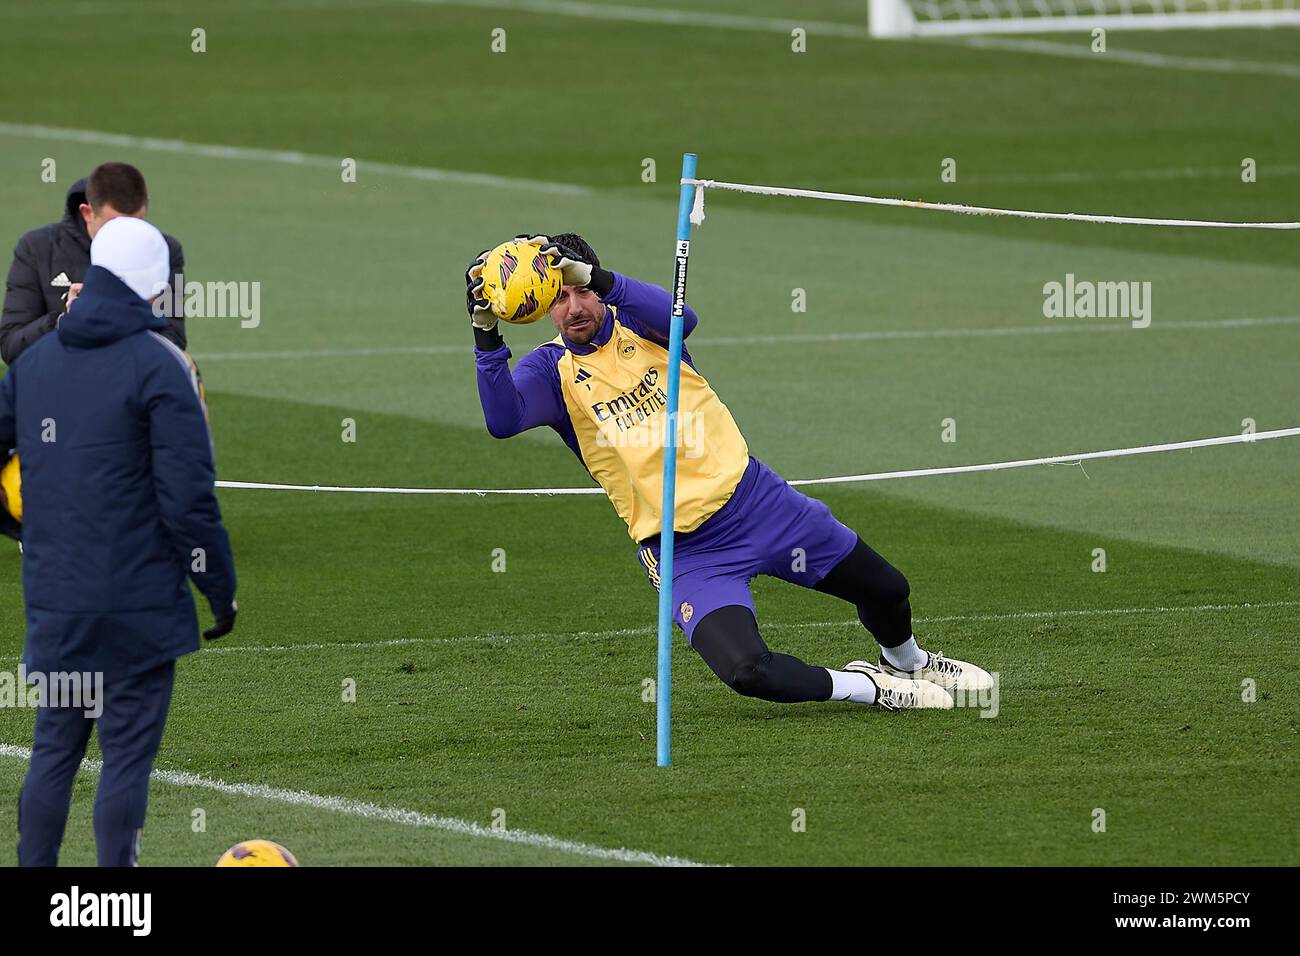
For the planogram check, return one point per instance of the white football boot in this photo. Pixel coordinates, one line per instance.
(902, 693)
(950, 674)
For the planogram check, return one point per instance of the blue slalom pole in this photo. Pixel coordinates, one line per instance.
(681, 252)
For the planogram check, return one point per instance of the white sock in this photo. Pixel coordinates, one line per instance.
(847, 685)
(907, 656)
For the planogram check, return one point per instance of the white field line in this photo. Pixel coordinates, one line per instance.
(285, 157)
(1082, 51)
(60, 12)
(559, 8)
(221, 648)
(468, 828)
(217, 649)
(809, 338)
(433, 174)
(663, 17)
(668, 17)
(371, 811)
(1244, 438)
(575, 9)
(828, 28)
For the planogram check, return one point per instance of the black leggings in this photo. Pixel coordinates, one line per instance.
(879, 591)
(730, 644)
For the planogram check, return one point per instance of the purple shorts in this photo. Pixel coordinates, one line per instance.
(766, 527)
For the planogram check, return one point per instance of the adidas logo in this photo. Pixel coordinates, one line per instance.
(583, 375)
(61, 281)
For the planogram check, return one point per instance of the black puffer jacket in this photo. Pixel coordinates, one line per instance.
(46, 262)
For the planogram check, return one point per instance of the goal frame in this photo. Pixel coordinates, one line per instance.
(894, 19)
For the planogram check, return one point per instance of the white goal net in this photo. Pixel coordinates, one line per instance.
(900, 18)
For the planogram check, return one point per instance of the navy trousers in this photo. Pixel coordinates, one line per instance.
(130, 731)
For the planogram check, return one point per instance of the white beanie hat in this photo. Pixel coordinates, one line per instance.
(135, 252)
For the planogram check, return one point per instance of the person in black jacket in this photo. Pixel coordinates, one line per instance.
(119, 516)
(51, 262)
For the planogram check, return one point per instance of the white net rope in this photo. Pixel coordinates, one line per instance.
(697, 218)
(1071, 459)
(937, 10)
(702, 185)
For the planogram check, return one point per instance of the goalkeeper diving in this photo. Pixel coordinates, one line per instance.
(601, 384)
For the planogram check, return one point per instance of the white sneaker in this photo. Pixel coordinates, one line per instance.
(947, 672)
(902, 693)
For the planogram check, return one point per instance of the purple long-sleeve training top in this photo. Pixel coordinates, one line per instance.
(531, 395)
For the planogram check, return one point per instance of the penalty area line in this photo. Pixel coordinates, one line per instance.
(288, 157)
(371, 811)
(1196, 64)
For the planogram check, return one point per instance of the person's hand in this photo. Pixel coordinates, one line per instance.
(573, 268)
(480, 312)
(74, 290)
(225, 623)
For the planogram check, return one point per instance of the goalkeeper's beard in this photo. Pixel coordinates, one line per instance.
(580, 328)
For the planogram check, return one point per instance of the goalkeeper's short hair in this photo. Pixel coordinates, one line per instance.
(579, 245)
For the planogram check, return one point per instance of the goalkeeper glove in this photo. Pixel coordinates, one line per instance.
(481, 315)
(575, 271)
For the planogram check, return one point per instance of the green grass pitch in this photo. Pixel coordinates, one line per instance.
(520, 693)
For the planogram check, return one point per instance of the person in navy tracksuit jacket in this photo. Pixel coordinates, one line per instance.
(119, 513)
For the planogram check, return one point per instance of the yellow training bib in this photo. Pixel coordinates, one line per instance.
(616, 398)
